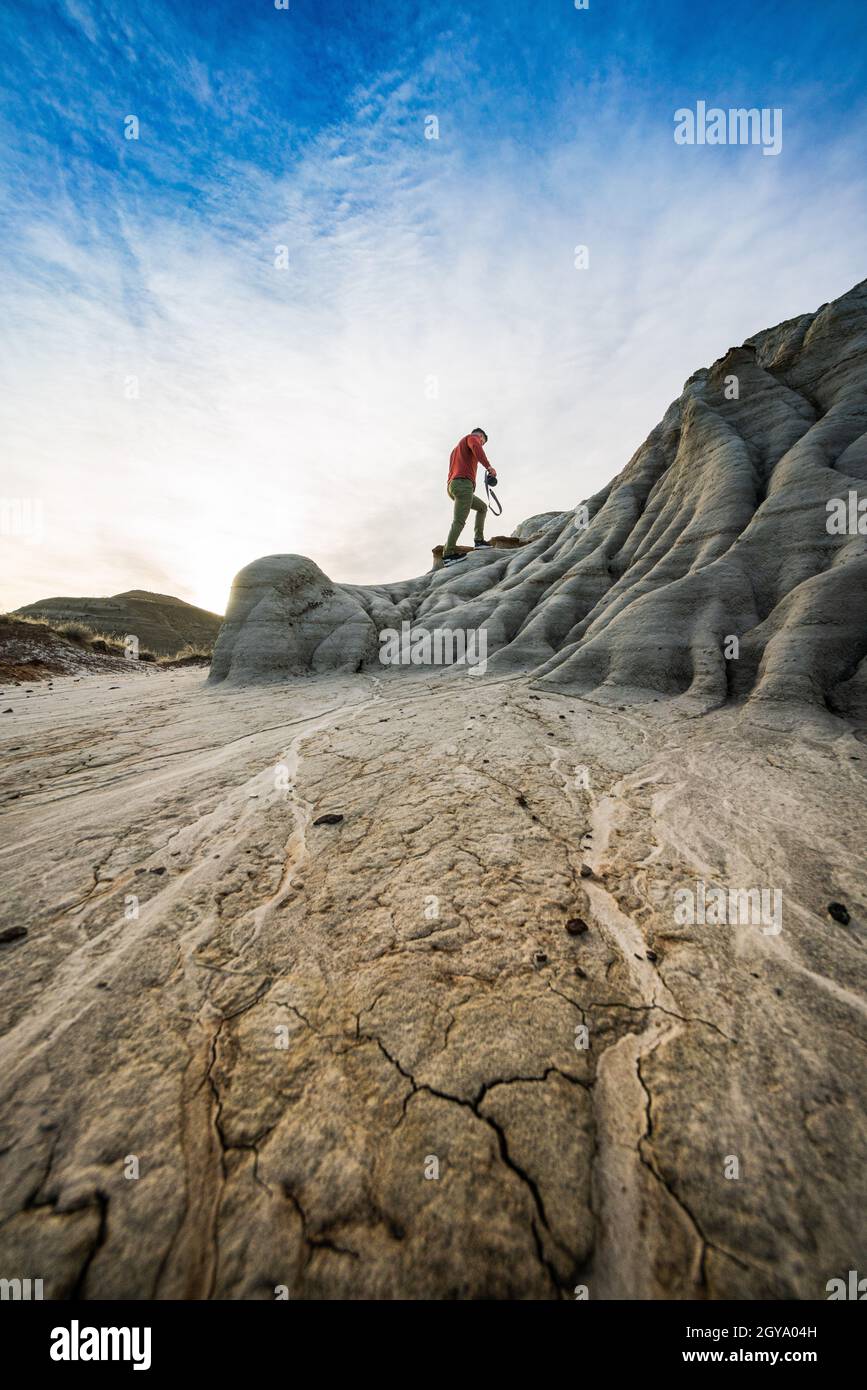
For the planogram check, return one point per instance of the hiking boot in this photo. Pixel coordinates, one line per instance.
(483, 545)
(452, 560)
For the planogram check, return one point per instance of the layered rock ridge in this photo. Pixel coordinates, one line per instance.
(714, 567)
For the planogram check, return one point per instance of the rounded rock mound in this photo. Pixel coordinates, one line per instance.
(286, 618)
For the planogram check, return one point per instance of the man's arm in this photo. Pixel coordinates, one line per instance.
(479, 453)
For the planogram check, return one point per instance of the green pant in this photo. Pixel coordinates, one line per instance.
(463, 492)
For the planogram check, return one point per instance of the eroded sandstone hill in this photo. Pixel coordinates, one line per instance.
(161, 622)
(716, 529)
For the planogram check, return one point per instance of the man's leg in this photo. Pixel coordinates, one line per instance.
(481, 510)
(461, 489)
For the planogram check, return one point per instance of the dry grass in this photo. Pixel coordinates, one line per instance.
(109, 644)
(193, 651)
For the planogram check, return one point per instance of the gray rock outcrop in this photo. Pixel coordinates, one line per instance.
(709, 569)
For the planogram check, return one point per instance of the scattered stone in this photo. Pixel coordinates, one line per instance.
(12, 934)
(331, 819)
(9, 710)
(576, 926)
(586, 871)
(160, 870)
(839, 913)
(652, 956)
(582, 974)
(539, 959)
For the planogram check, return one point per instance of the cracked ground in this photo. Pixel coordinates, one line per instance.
(244, 1052)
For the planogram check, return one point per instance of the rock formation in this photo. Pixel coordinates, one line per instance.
(718, 529)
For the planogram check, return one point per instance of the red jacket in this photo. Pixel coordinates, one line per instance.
(466, 457)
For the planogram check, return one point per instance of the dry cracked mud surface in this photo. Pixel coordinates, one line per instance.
(290, 1026)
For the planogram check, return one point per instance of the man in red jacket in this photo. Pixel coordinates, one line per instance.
(464, 462)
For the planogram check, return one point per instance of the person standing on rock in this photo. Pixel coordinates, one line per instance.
(467, 454)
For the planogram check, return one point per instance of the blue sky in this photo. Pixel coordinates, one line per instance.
(176, 403)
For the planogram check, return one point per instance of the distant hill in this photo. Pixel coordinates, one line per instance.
(161, 623)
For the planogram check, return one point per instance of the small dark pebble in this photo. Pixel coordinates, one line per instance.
(522, 800)
(102, 984)
(576, 926)
(651, 955)
(839, 913)
(540, 958)
(582, 974)
(160, 870)
(586, 871)
(12, 934)
(331, 819)
(9, 710)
